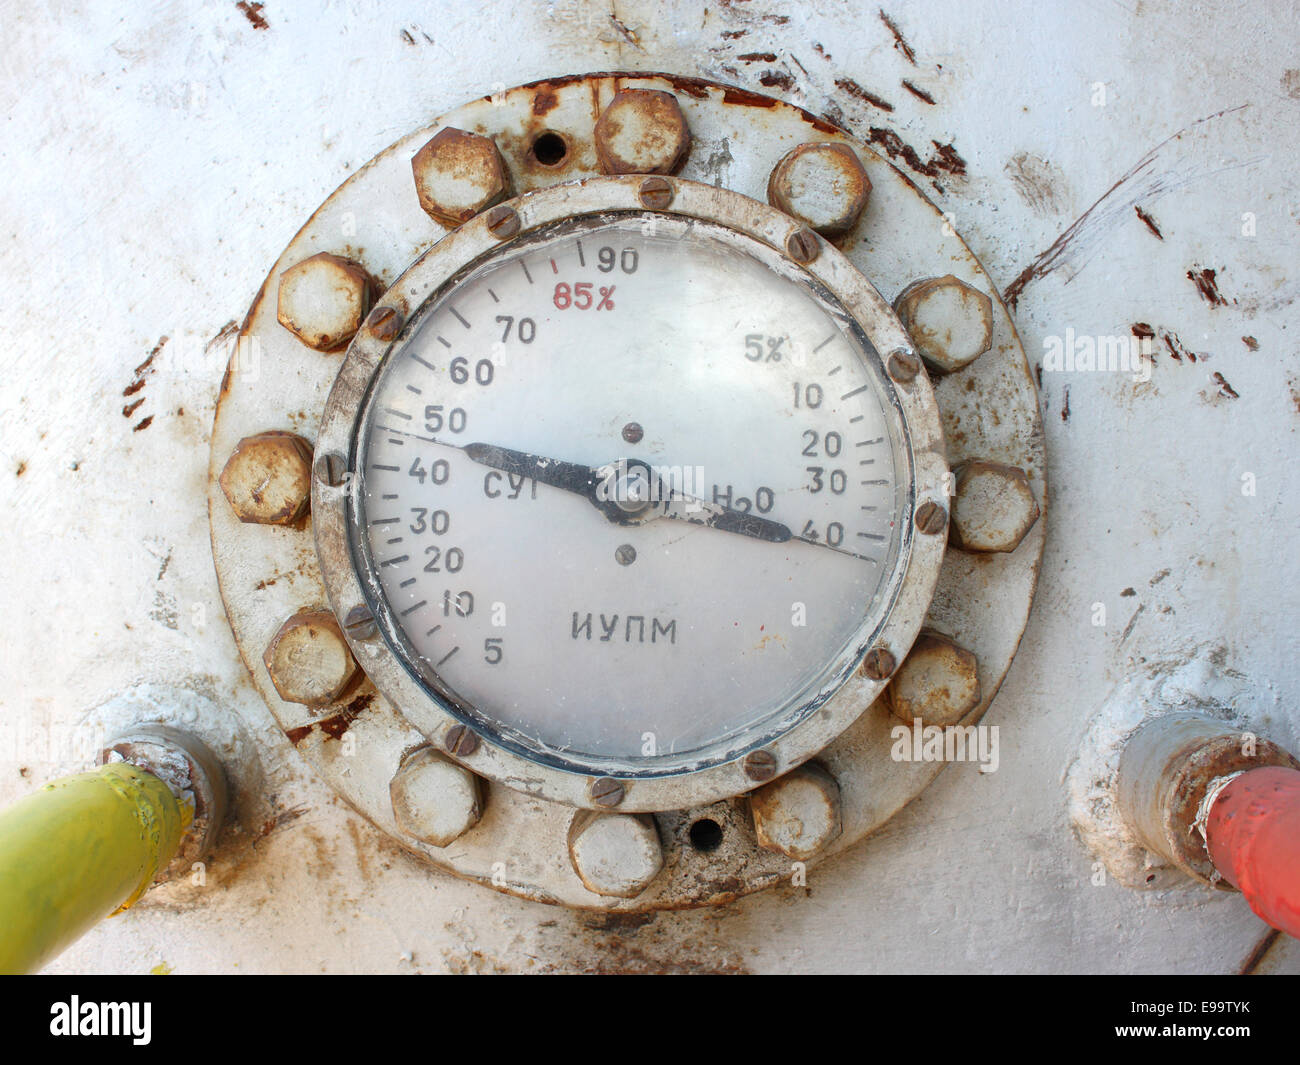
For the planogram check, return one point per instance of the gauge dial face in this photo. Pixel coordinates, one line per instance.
(629, 495)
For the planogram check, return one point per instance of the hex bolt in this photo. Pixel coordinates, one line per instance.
(802, 246)
(903, 366)
(879, 663)
(461, 741)
(759, 765)
(384, 323)
(606, 791)
(502, 221)
(655, 193)
(435, 800)
(799, 814)
(993, 507)
(950, 322)
(822, 185)
(938, 682)
(267, 478)
(308, 660)
(642, 131)
(322, 300)
(616, 855)
(457, 175)
(931, 518)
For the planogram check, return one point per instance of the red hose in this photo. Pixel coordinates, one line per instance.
(1253, 835)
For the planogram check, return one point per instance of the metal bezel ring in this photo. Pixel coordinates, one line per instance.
(472, 242)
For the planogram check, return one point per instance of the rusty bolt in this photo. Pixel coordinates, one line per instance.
(802, 246)
(267, 478)
(655, 193)
(502, 221)
(606, 791)
(642, 131)
(457, 175)
(824, 186)
(615, 855)
(930, 518)
(903, 366)
(461, 741)
(308, 659)
(797, 815)
(938, 682)
(950, 322)
(993, 507)
(384, 323)
(323, 299)
(434, 799)
(759, 765)
(878, 663)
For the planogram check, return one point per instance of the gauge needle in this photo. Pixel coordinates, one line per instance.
(588, 481)
(618, 506)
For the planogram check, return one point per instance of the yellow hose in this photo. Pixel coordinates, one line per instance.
(77, 851)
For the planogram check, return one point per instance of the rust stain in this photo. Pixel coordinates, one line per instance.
(143, 424)
(944, 159)
(918, 92)
(733, 95)
(130, 408)
(1065, 404)
(1225, 390)
(855, 90)
(144, 369)
(1149, 222)
(1142, 331)
(297, 735)
(253, 12)
(545, 100)
(757, 57)
(1250, 343)
(624, 31)
(900, 42)
(734, 35)
(777, 79)
(1207, 286)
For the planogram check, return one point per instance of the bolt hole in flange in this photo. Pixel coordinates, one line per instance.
(550, 149)
(706, 835)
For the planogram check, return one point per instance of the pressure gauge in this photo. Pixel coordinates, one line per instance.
(631, 492)
(589, 520)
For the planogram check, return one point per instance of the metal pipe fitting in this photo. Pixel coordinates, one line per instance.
(88, 846)
(1165, 773)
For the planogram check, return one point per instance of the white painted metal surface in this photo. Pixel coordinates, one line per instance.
(157, 162)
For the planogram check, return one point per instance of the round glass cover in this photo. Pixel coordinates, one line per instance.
(630, 492)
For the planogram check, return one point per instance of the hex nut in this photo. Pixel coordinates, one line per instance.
(938, 682)
(642, 131)
(308, 660)
(457, 175)
(823, 185)
(323, 300)
(993, 507)
(616, 855)
(434, 799)
(951, 323)
(267, 478)
(797, 815)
